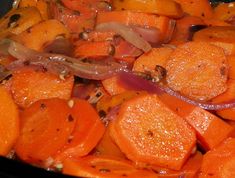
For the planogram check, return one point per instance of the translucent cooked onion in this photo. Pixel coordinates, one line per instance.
(134, 82)
(127, 33)
(63, 64)
(150, 34)
(59, 46)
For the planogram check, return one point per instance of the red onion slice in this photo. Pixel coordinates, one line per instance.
(150, 34)
(127, 33)
(134, 82)
(63, 63)
(204, 105)
(59, 46)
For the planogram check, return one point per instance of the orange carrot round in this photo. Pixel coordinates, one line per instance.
(147, 131)
(45, 127)
(87, 132)
(220, 161)
(198, 70)
(148, 61)
(102, 167)
(29, 85)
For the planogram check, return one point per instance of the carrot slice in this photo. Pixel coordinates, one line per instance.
(101, 167)
(215, 22)
(94, 49)
(167, 7)
(113, 86)
(26, 17)
(190, 168)
(223, 37)
(224, 11)
(148, 61)
(41, 5)
(197, 73)
(199, 8)
(75, 21)
(108, 102)
(220, 161)
(147, 131)
(231, 63)
(210, 129)
(93, 5)
(107, 146)
(42, 33)
(9, 122)
(100, 36)
(29, 85)
(182, 31)
(228, 95)
(179, 106)
(87, 132)
(44, 130)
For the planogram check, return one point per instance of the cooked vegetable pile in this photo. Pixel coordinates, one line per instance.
(119, 88)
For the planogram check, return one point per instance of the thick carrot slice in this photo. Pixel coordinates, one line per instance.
(29, 85)
(147, 131)
(210, 129)
(199, 8)
(197, 73)
(94, 49)
(113, 86)
(41, 5)
(42, 33)
(167, 7)
(126, 17)
(223, 37)
(228, 95)
(220, 161)
(9, 122)
(87, 132)
(148, 61)
(101, 167)
(107, 146)
(100, 36)
(44, 130)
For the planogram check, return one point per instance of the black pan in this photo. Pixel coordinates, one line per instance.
(15, 169)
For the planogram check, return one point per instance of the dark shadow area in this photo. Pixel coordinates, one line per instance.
(5, 5)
